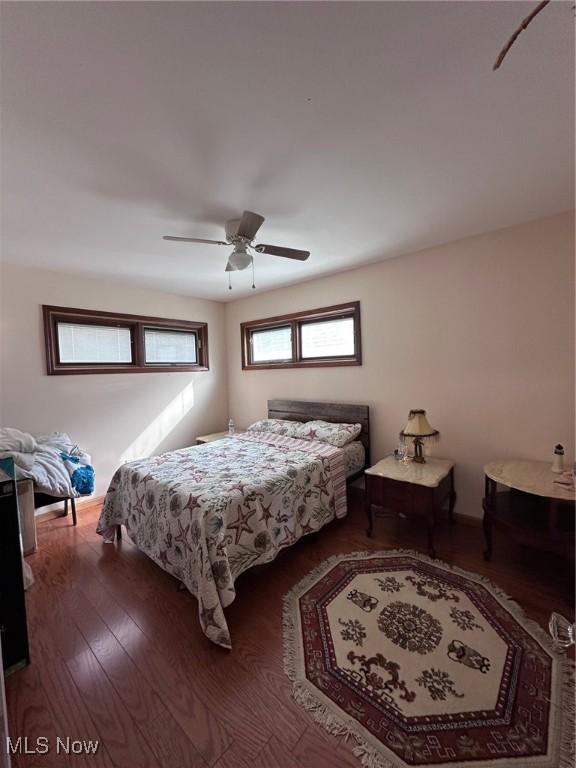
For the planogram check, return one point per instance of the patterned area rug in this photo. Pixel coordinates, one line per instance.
(425, 664)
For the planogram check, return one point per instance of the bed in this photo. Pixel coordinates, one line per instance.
(208, 513)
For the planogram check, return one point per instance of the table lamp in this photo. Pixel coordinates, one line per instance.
(418, 428)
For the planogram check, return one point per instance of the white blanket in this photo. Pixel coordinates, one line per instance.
(39, 459)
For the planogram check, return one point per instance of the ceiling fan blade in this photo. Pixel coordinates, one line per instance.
(250, 223)
(193, 240)
(288, 253)
(231, 229)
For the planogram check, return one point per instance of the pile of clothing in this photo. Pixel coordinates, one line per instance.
(56, 465)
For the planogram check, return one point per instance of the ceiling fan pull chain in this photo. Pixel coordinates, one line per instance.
(253, 284)
(229, 281)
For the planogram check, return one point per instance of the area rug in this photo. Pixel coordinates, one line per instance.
(425, 664)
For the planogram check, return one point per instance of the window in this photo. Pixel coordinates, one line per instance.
(94, 344)
(85, 341)
(328, 338)
(320, 337)
(272, 345)
(162, 346)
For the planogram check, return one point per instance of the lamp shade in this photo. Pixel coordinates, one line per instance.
(418, 425)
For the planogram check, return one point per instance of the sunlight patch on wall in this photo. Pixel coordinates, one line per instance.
(148, 440)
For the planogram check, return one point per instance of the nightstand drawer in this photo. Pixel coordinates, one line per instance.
(390, 495)
(398, 497)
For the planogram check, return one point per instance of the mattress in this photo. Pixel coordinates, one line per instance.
(354, 457)
(206, 514)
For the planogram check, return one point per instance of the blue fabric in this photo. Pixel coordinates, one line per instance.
(70, 457)
(83, 480)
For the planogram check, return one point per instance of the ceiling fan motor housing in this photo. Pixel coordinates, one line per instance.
(231, 228)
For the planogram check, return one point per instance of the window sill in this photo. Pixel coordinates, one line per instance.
(64, 370)
(303, 364)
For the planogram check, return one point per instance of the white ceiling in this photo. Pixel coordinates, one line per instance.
(360, 131)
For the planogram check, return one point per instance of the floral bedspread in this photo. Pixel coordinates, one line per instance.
(208, 513)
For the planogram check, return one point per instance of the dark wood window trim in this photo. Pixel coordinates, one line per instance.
(296, 320)
(136, 323)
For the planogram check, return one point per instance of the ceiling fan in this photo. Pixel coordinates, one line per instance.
(240, 234)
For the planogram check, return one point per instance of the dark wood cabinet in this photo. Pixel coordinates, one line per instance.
(13, 627)
(388, 496)
(533, 510)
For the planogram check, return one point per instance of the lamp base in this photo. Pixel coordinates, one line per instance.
(418, 455)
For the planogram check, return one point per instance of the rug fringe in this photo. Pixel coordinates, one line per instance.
(289, 638)
(371, 757)
(288, 616)
(567, 725)
(339, 726)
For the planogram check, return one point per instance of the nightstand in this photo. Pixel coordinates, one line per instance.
(395, 489)
(201, 439)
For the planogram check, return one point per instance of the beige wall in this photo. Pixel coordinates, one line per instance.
(479, 332)
(113, 417)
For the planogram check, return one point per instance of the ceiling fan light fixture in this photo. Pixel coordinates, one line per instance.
(239, 259)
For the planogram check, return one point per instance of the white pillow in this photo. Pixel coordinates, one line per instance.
(277, 426)
(338, 434)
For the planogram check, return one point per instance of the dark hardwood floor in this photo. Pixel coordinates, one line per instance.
(118, 655)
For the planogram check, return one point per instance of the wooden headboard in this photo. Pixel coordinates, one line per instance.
(307, 410)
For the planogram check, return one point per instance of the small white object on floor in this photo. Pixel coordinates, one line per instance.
(563, 632)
